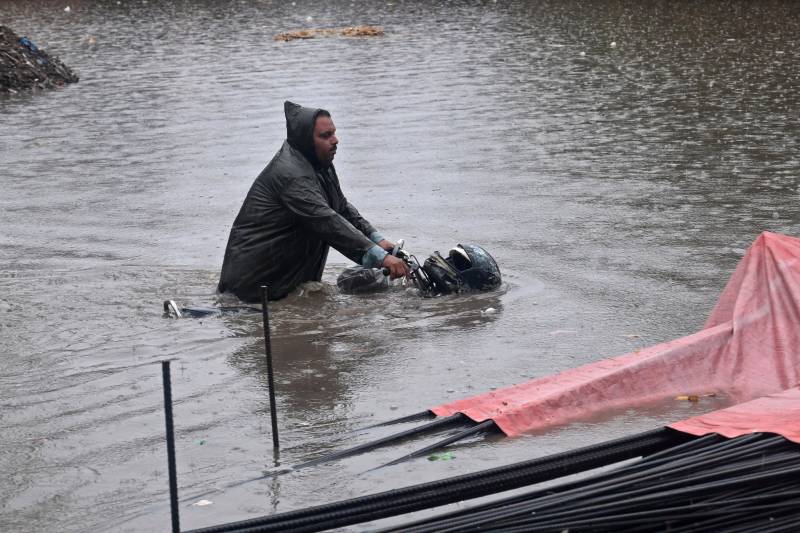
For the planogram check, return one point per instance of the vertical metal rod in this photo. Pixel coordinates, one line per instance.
(173, 478)
(270, 376)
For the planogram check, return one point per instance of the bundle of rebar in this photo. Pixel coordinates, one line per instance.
(709, 484)
(678, 483)
(436, 493)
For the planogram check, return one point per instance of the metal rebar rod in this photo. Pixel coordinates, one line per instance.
(689, 447)
(422, 415)
(484, 426)
(436, 425)
(173, 479)
(273, 411)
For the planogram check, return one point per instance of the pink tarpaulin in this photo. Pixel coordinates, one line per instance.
(775, 413)
(749, 347)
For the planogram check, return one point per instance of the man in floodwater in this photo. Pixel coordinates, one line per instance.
(293, 212)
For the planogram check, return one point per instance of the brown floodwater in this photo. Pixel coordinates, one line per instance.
(616, 158)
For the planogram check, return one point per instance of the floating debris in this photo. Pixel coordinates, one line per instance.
(694, 398)
(349, 31)
(24, 66)
(446, 456)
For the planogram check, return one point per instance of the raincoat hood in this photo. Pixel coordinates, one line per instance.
(300, 129)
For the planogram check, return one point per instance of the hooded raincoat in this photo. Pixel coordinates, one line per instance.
(293, 212)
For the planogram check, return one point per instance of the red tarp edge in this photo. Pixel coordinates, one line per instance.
(749, 347)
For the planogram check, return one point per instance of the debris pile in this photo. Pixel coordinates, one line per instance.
(24, 66)
(349, 31)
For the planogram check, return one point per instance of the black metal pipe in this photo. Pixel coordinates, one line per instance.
(273, 411)
(173, 478)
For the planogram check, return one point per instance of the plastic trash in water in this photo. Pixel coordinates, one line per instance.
(694, 398)
(27, 43)
(688, 398)
(360, 280)
(203, 503)
(446, 456)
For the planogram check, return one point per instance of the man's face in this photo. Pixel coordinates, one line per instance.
(325, 140)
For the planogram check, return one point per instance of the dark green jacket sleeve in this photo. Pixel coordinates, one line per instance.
(306, 199)
(349, 211)
(354, 217)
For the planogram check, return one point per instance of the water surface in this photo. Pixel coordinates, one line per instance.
(616, 160)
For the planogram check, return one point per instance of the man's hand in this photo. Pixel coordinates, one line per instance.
(386, 245)
(397, 267)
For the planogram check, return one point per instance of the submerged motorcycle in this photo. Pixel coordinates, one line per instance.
(467, 267)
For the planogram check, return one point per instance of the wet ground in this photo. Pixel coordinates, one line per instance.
(616, 160)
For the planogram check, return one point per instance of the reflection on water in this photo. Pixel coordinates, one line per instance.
(615, 158)
(317, 356)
